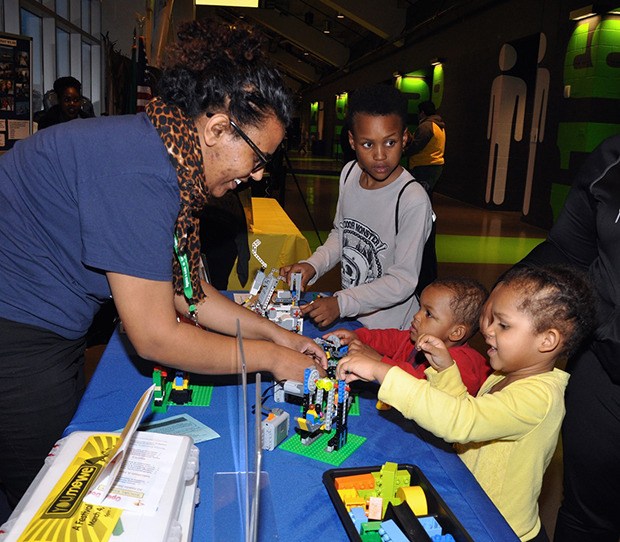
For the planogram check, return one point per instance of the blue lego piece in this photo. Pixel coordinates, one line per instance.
(390, 532)
(431, 526)
(358, 517)
(341, 389)
(443, 538)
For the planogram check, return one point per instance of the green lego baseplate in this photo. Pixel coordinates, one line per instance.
(316, 450)
(201, 397)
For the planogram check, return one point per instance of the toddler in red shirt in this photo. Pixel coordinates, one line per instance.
(450, 310)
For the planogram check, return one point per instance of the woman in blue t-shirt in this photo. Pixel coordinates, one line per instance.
(108, 207)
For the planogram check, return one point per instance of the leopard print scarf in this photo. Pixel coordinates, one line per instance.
(179, 135)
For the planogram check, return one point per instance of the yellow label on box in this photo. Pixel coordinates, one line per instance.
(63, 517)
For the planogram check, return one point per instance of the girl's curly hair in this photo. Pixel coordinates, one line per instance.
(555, 297)
(215, 67)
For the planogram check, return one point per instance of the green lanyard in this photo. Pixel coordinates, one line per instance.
(187, 280)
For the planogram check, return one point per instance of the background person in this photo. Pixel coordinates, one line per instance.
(69, 104)
(427, 146)
(587, 235)
(100, 207)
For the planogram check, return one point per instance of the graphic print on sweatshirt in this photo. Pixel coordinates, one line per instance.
(361, 247)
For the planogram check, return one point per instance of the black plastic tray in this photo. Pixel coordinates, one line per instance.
(402, 514)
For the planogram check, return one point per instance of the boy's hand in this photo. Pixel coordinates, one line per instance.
(435, 350)
(323, 310)
(306, 270)
(346, 336)
(358, 347)
(360, 367)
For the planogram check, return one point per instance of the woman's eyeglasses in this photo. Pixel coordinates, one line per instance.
(263, 159)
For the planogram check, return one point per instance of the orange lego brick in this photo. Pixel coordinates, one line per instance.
(359, 481)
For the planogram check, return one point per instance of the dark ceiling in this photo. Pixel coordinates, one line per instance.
(298, 41)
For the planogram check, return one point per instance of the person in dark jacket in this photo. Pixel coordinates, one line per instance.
(587, 235)
(69, 95)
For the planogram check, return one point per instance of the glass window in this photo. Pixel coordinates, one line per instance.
(86, 71)
(86, 15)
(96, 19)
(32, 26)
(62, 8)
(63, 53)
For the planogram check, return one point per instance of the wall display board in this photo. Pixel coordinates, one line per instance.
(15, 89)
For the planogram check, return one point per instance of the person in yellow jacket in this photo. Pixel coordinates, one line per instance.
(507, 434)
(427, 146)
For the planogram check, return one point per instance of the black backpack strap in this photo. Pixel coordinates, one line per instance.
(398, 202)
(349, 172)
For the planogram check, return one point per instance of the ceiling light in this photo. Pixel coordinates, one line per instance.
(231, 3)
(436, 61)
(326, 28)
(340, 16)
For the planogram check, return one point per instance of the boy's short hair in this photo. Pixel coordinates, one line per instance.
(377, 100)
(557, 297)
(468, 297)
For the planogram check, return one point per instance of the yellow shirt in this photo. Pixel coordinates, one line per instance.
(432, 153)
(506, 438)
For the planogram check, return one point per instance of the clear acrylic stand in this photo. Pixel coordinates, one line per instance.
(243, 507)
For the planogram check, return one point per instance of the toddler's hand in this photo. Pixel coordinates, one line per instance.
(435, 350)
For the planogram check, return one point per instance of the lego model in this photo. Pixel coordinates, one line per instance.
(160, 377)
(334, 351)
(172, 387)
(290, 389)
(325, 405)
(280, 306)
(180, 393)
(176, 391)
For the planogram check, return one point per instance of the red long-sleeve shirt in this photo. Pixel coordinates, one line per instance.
(397, 349)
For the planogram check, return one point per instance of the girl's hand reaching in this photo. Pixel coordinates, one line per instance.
(435, 350)
(358, 366)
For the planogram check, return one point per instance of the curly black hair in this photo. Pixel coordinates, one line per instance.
(215, 67)
(559, 297)
(377, 100)
(468, 298)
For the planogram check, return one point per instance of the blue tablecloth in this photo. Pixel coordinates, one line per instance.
(301, 506)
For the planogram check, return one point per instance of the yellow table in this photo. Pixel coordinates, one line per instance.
(281, 243)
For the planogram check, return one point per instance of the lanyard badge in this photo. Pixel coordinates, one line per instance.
(187, 280)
